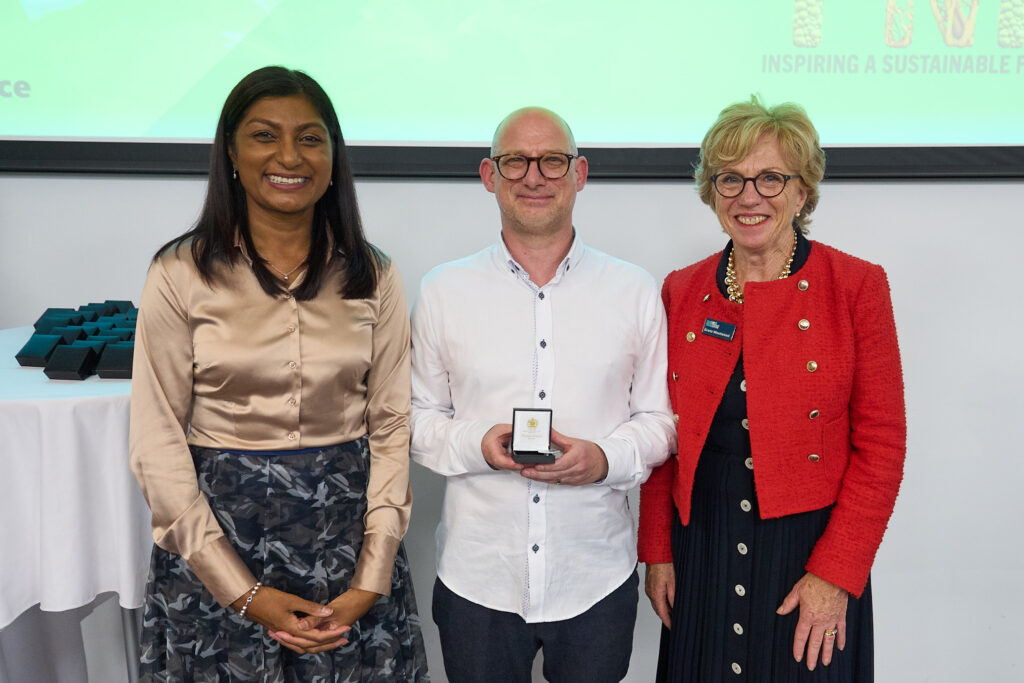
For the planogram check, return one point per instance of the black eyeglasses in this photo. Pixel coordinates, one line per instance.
(767, 183)
(553, 165)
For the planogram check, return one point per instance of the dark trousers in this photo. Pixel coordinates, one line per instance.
(485, 645)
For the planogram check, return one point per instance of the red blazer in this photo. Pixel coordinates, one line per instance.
(824, 402)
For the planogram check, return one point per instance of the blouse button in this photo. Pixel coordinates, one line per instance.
(812, 366)
(803, 285)
(690, 336)
(745, 504)
(814, 457)
(813, 414)
(804, 324)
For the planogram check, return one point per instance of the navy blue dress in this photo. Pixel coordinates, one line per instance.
(733, 569)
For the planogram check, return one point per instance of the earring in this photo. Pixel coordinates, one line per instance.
(234, 174)
(332, 182)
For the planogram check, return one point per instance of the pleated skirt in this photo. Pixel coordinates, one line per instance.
(733, 570)
(296, 520)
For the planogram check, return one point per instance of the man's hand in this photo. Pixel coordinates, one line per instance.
(494, 446)
(582, 462)
(286, 614)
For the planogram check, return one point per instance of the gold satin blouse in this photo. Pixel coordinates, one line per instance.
(228, 366)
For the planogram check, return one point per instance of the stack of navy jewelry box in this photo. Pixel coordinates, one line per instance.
(74, 343)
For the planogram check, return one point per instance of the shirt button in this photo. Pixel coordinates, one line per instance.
(803, 285)
(736, 669)
(743, 385)
(536, 499)
(292, 401)
(690, 336)
(804, 324)
(749, 462)
(292, 436)
(812, 366)
(291, 328)
(540, 295)
(293, 365)
(746, 424)
(535, 547)
(741, 548)
(740, 590)
(745, 505)
(543, 344)
(813, 414)
(542, 394)
(814, 457)
(738, 629)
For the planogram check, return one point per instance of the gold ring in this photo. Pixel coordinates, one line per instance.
(831, 632)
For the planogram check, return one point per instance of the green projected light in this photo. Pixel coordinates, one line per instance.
(412, 72)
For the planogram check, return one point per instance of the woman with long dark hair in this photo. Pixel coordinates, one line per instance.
(270, 415)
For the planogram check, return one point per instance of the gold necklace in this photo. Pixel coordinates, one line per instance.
(732, 285)
(280, 272)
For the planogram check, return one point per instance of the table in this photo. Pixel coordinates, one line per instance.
(74, 522)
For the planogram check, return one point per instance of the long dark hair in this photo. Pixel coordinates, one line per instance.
(335, 215)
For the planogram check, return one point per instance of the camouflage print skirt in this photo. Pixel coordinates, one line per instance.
(296, 519)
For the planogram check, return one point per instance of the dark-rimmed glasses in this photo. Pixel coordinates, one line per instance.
(767, 183)
(553, 165)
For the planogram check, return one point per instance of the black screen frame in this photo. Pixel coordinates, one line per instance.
(440, 162)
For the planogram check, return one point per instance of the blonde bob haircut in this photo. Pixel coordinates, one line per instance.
(740, 126)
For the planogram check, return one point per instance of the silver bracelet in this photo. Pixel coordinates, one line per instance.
(252, 594)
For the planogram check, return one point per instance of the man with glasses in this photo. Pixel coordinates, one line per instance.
(537, 556)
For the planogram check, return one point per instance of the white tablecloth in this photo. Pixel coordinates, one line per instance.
(73, 522)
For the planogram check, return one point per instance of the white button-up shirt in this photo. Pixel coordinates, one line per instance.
(590, 345)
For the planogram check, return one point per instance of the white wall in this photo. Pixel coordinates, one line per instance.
(947, 579)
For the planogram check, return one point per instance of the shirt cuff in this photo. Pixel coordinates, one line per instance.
(222, 571)
(619, 455)
(376, 563)
(472, 454)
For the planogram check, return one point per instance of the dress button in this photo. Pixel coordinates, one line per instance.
(535, 547)
(293, 365)
(814, 457)
(536, 499)
(749, 462)
(813, 414)
(740, 590)
(738, 629)
(542, 394)
(743, 385)
(690, 336)
(812, 366)
(736, 669)
(745, 505)
(741, 548)
(292, 436)
(746, 424)
(804, 324)
(803, 285)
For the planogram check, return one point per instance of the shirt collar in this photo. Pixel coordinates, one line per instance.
(571, 260)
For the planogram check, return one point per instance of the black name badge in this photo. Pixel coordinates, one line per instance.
(718, 329)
